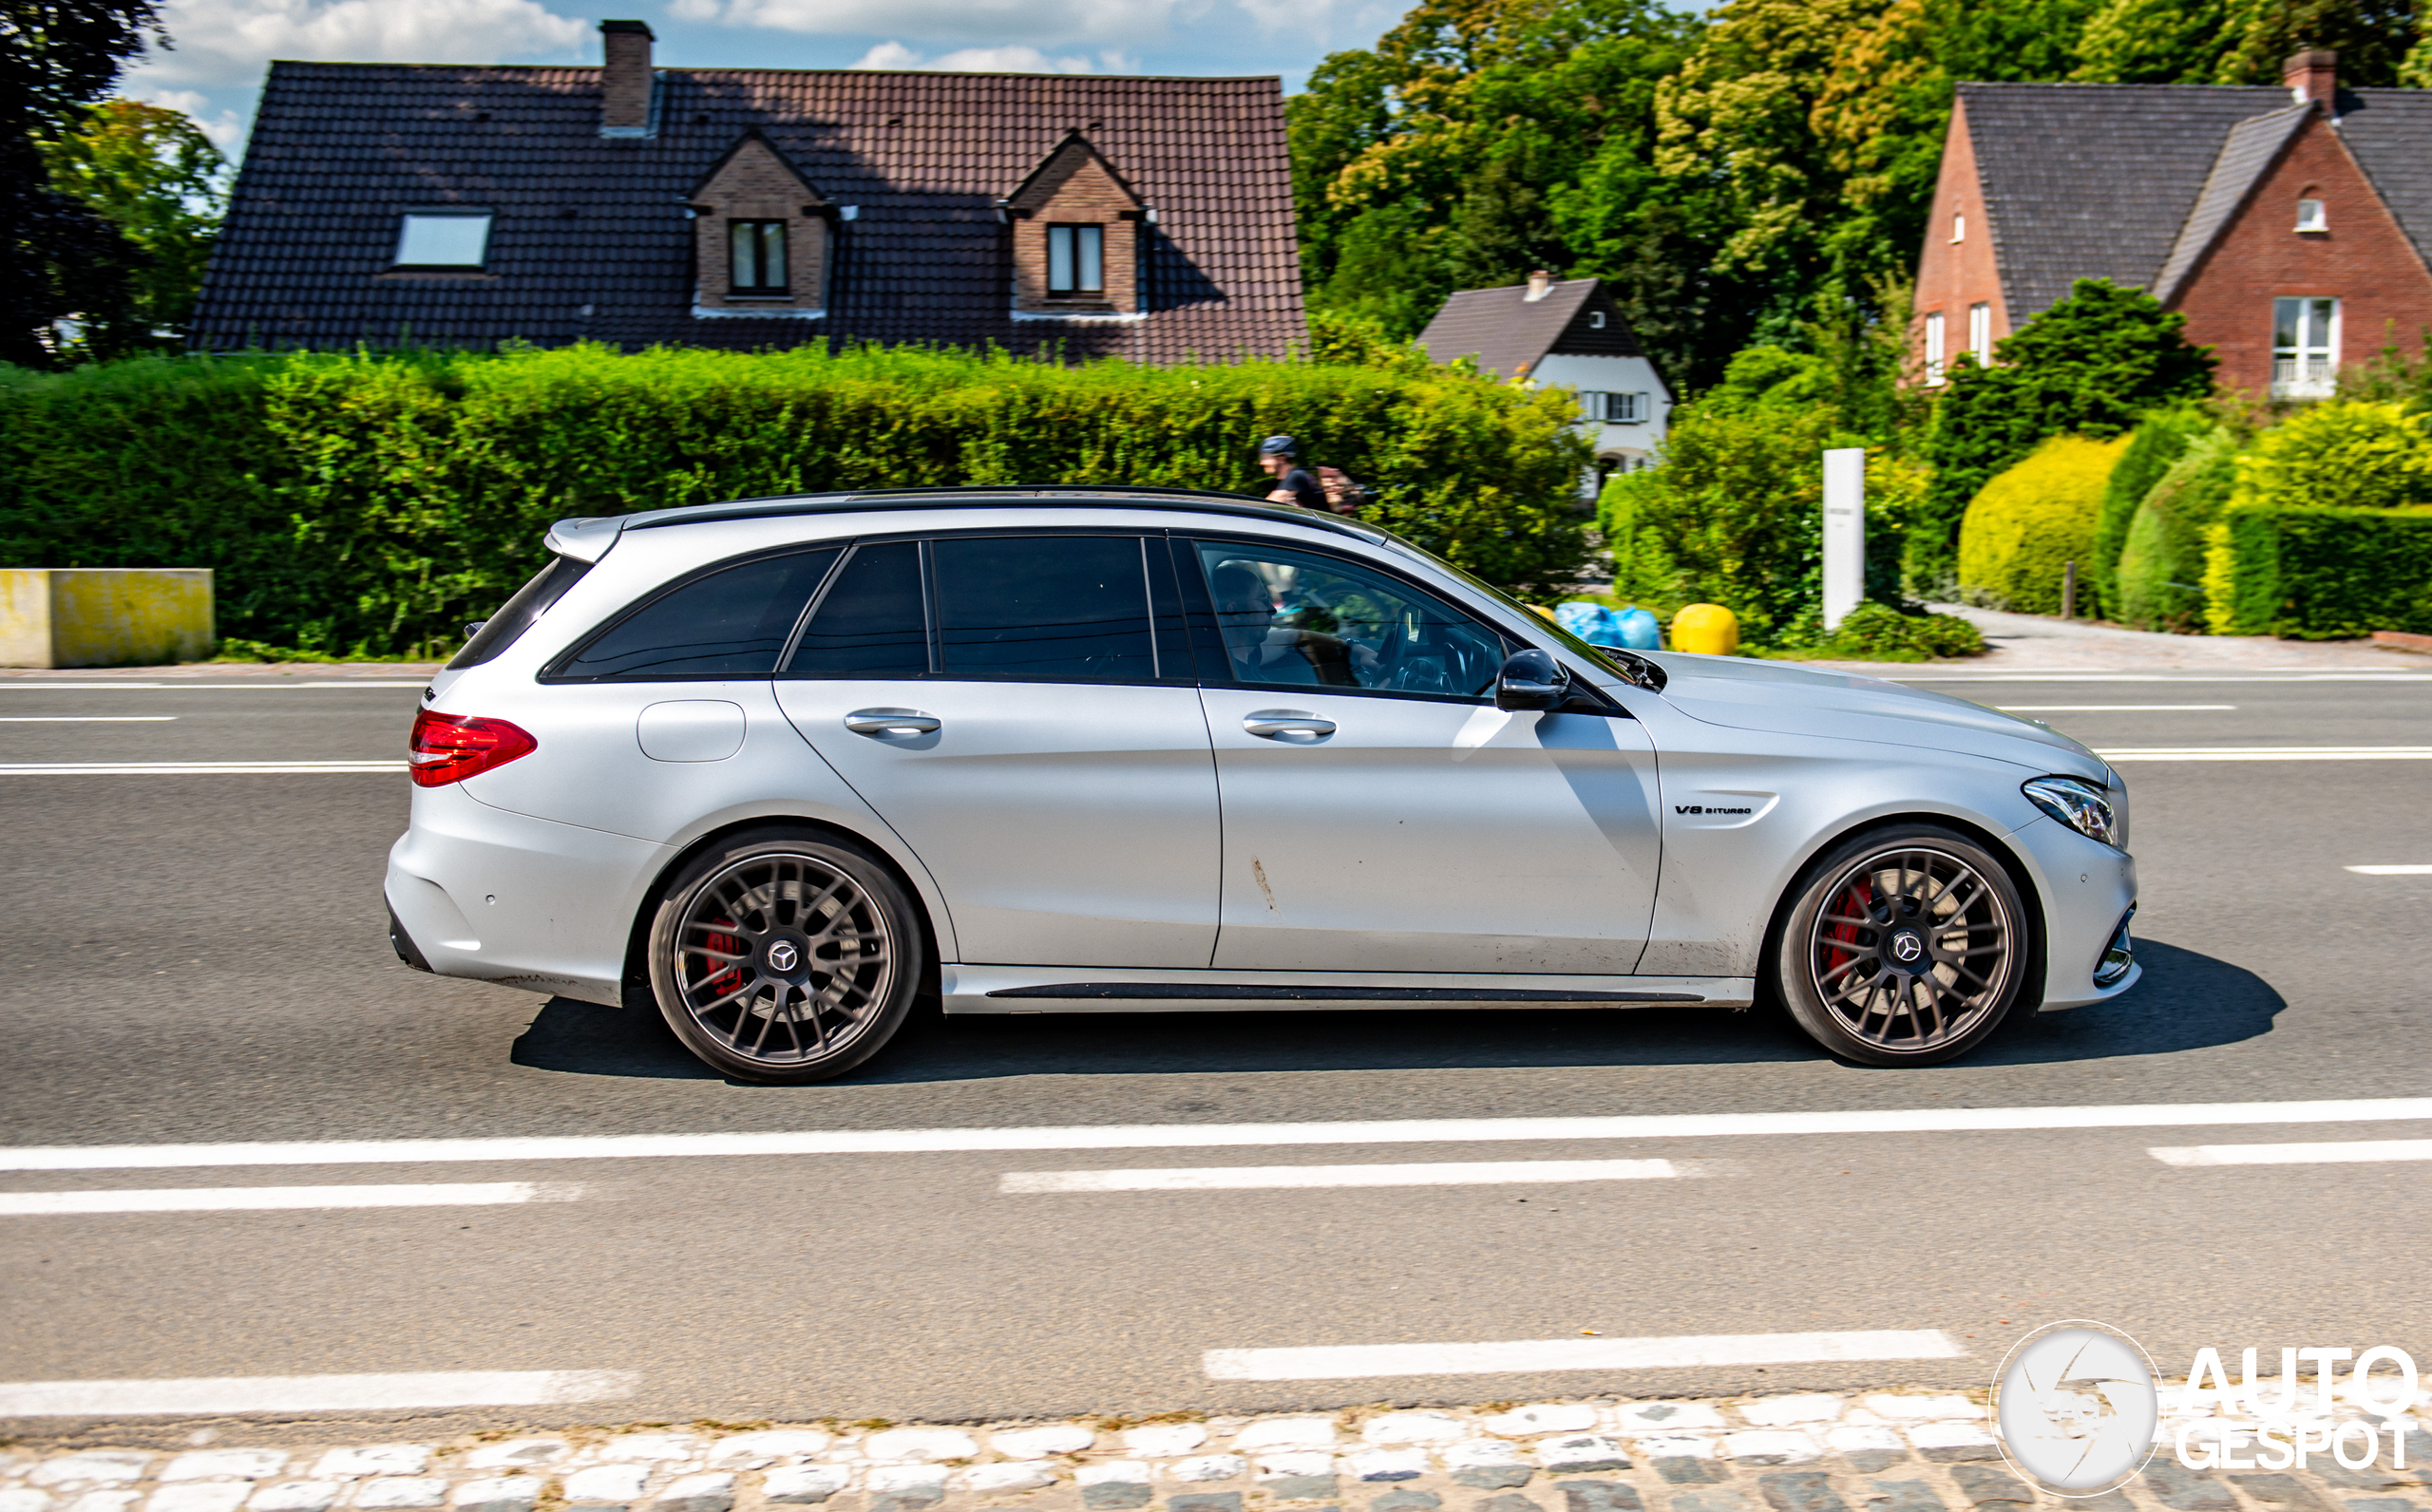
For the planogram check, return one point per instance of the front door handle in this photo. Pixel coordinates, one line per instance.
(1272, 723)
(883, 722)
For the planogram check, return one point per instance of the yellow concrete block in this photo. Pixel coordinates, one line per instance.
(1708, 630)
(103, 616)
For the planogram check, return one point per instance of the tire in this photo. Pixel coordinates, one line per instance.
(1904, 946)
(785, 957)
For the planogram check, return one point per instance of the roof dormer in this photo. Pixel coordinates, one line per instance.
(1076, 236)
(760, 236)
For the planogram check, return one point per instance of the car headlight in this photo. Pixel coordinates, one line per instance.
(2078, 803)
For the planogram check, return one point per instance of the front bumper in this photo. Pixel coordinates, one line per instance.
(2086, 888)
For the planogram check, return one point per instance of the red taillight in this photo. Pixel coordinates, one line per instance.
(450, 748)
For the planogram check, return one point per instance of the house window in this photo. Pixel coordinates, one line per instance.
(1958, 226)
(2309, 216)
(1076, 260)
(2305, 348)
(1935, 352)
(1595, 320)
(443, 238)
(1979, 335)
(755, 257)
(1625, 409)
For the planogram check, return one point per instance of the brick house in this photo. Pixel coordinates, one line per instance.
(2292, 226)
(1149, 219)
(1566, 332)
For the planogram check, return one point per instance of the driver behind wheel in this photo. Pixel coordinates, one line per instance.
(1264, 652)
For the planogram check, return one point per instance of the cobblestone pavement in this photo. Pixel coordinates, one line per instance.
(1891, 1451)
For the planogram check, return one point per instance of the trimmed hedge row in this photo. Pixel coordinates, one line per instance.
(2032, 520)
(360, 504)
(2319, 574)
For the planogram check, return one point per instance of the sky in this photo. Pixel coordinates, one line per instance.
(213, 70)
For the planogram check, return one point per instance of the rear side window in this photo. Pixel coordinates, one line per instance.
(1044, 608)
(500, 630)
(873, 622)
(728, 623)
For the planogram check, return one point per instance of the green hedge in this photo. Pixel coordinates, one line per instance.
(2161, 439)
(2319, 574)
(2161, 565)
(358, 503)
(2032, 520)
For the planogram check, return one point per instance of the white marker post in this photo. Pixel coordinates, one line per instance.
(1844, 533)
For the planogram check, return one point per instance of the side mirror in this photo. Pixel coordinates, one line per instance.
(1531, 679)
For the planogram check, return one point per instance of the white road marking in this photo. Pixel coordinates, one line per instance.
(1243, 1178)
(2101, 708)
(245, 1199)
(189, 768)
(2158, 678)
(7, 683)
(2393, 870)
(88, 719)
(2326, 1153)
(2271, 753)
(1349, 1361)
(1203, 1136)
(309, 1393)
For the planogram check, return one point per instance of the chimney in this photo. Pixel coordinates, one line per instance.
(2312, 75)
(1540, 282)
(625, 81)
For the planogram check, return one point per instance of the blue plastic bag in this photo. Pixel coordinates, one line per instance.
(1631, 629)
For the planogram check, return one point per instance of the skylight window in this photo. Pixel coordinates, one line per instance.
(449, 238)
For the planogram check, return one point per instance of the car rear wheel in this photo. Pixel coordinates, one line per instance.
(1903, 947)
(784, 957)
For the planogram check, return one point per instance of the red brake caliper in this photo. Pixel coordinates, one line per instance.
(1852, 904)
(727, 978)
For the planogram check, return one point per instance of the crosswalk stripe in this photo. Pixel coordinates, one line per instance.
(309, 1393)
(263, 1198)
(1346, 1362)
(2327, 1152)
(1243, 1178)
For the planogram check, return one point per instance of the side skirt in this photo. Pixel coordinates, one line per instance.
(1134, 989)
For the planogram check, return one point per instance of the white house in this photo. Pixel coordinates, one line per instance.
(1571, 335)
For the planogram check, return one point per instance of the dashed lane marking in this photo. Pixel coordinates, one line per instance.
(1243, 1178)
(25, 683)
(2271, 753)
(2104, 708)
(2326, 1152)
(1205, 1136)
(263, 1198)
(88, 719)
(189, 768)
(2393, 870)
(311, 1393)
(1347, 1362)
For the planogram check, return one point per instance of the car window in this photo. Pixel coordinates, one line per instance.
(1298, 618)
(516, 615)
(728, 623)
(871, 623)
(1045, 608)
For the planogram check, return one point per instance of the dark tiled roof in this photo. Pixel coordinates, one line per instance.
(1501, 327)
(2095, 181)
(2247, 153)
(590, 239)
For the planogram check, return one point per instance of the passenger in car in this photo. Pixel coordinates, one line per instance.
(1264, 651)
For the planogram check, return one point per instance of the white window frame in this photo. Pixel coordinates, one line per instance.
(2306, 366)
(1937, 355)
(2310, 215)
(1595, 320)
(1076, 260)
(748, 242)
(1980, 334)
(1959, 225)
(437, 239)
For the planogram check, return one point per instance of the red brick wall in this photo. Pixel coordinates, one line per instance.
(625, 79)
(755, 184)
(1077, 189)
(2363, 260)
(1953, 276)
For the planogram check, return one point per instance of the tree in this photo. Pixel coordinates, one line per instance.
(57, 256)
(2091, 365)
(152, 173)
(2246, 40)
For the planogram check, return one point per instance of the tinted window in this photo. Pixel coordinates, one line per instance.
(500, 630)
(1299, 618)
(871, 623)
(1052, 608)
(731, 623)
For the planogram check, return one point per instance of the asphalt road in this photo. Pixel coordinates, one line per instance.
(200, 958)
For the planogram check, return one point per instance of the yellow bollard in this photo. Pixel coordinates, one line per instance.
(1708, 630)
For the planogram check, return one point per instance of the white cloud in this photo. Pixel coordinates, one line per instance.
(221, 43)
(225, 128)
(1013, 59)
(977, 26)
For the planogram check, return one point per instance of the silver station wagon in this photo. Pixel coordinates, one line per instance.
(779, 766)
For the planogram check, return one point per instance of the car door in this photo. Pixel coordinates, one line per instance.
(1380, 813)
(1014, 708)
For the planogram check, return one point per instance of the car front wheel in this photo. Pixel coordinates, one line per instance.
(783, 957)
(1903, 947)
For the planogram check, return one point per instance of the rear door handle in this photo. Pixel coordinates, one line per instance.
(1273, 722)
(883, 722)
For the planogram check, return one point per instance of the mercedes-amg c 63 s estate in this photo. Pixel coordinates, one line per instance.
(776, 765)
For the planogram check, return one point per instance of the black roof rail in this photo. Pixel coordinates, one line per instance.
(1197, 501)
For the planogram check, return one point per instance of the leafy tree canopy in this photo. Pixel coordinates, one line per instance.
(152, 173)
